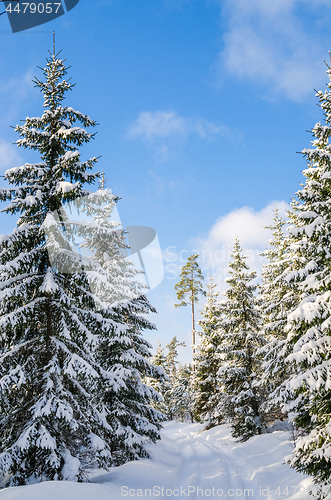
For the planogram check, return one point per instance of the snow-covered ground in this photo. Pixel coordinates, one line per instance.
(189, 463)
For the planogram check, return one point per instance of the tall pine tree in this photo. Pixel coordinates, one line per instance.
(188, 289)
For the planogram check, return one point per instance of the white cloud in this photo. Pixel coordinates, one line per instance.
(9, 156)
(266, 41)
(158, 125)
(246, 223)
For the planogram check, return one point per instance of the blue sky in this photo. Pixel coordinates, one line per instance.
(202, 107)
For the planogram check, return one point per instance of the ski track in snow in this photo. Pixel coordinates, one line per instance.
(203, 466)
(186, 457)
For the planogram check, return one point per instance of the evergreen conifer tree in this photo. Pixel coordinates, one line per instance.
(180, 394)
(278, 297)
(123, 353)
(172, 355)
(162, 384)
(309, 325)
(237, 375)
(171, 364)
(188, 289)
(52, 423)
(207, 395)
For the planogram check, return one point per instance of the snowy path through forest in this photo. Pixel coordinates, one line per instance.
(189, 463)
(202, 466)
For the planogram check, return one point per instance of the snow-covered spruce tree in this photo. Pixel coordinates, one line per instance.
(47, 324)
(278, 298)
(124, 353)
(50, 420)
(242, 338)
(277, 368)
(172, 355)
(127, 401)
(179, 395)
(161, 385)
(171, 370)
(309, 325)
(207, 395)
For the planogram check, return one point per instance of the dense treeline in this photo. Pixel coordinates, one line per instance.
(265, 351)
(78, 388)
